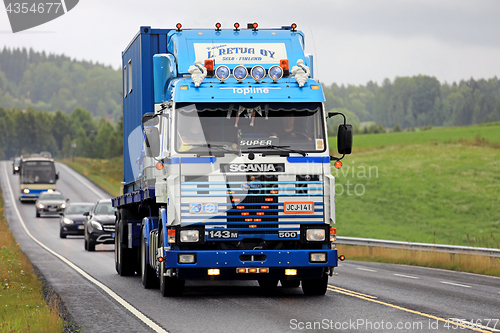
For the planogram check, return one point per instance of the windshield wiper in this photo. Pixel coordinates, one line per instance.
(287, 149)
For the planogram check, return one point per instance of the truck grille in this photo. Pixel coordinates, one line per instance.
(250, 203)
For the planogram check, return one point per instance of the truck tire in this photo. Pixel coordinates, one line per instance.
(124, 259)
(148, 274)
(268, 284)
(315, 287)
(169, 286)
(290, 283)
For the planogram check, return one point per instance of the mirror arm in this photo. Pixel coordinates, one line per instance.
(332, 114)
(336, 158)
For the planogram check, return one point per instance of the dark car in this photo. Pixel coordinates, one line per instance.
(100, 225)
(16, 165)
(71, 221)
(50, 203)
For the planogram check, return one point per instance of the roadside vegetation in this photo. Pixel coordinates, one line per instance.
(22, 304)
(105, 173)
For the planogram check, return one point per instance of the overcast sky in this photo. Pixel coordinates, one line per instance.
(353, 41)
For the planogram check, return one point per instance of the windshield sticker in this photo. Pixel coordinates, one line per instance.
(319, 144)
(240, 53)
(210, 208)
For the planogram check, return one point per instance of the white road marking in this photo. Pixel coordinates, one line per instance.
(366, 269)
(108, 291)
(456, 284)
(407, 276)
(81, 179)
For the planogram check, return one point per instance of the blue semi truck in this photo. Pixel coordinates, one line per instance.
(226, 160)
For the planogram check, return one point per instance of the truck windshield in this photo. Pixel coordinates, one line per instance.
(246, 127)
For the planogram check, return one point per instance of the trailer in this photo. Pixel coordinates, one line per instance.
(227, 171)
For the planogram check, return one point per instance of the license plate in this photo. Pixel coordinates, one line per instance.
(80, 227)
(299, 207)
(52, 209)
(222, 234)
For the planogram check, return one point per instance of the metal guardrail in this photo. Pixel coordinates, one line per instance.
(418, 246)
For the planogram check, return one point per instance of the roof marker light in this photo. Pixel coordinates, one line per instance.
(284, 66)
(236, 26)
(294, 27)
(217, 26)
(255, 26)
(209, 65)
(240, 73)
(258, 73)
(222, 73)
(178, 26)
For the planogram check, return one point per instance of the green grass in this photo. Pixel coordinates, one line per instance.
(434, 192)
(107, 174)
(490, 132)
(22, 304)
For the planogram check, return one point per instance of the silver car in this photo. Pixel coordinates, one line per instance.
(50, 203)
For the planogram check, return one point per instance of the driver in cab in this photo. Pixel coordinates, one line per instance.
(288, 130)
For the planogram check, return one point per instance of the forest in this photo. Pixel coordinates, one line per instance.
(30, 79)
(76, 134)
(82, 104)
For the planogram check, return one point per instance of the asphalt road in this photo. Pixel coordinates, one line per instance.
(363, 297)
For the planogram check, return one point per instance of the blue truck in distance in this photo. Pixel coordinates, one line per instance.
(227, 173)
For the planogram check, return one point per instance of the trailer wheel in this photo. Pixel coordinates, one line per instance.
(315, 287)
(123, 256)
(290, 283)
(169, 286)
(148, 274)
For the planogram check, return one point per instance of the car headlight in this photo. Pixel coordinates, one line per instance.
(96, 225)
(16, 168)
(62, 206)
(315, 235)
(40, 206)
(68, 221)
(190, 236)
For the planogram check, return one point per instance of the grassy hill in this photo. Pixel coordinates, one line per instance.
(440, 186)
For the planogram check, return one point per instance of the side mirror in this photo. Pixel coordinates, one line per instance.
(86, 214)
(152, 141)
(57, 176)
(67, 199)
(344, 139)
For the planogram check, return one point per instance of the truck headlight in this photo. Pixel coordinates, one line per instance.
(187, 258)
(190, 236)
(315, 235)
(26, 190)
(317, 257)
(96, 225)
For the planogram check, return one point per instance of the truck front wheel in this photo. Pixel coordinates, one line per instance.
(169, 286)
(315, 287)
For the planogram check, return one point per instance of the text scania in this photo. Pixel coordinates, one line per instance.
(255, 167)
(239, 50)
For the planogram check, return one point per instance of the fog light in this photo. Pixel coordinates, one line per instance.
(26, 190)
(214, 271)
(317, 257)
(315, 235)
(290, 271)
(187, 258)
(190, 236)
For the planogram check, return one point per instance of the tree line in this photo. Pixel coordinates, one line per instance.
(30, 79)
(419, 101)
(76, 134)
